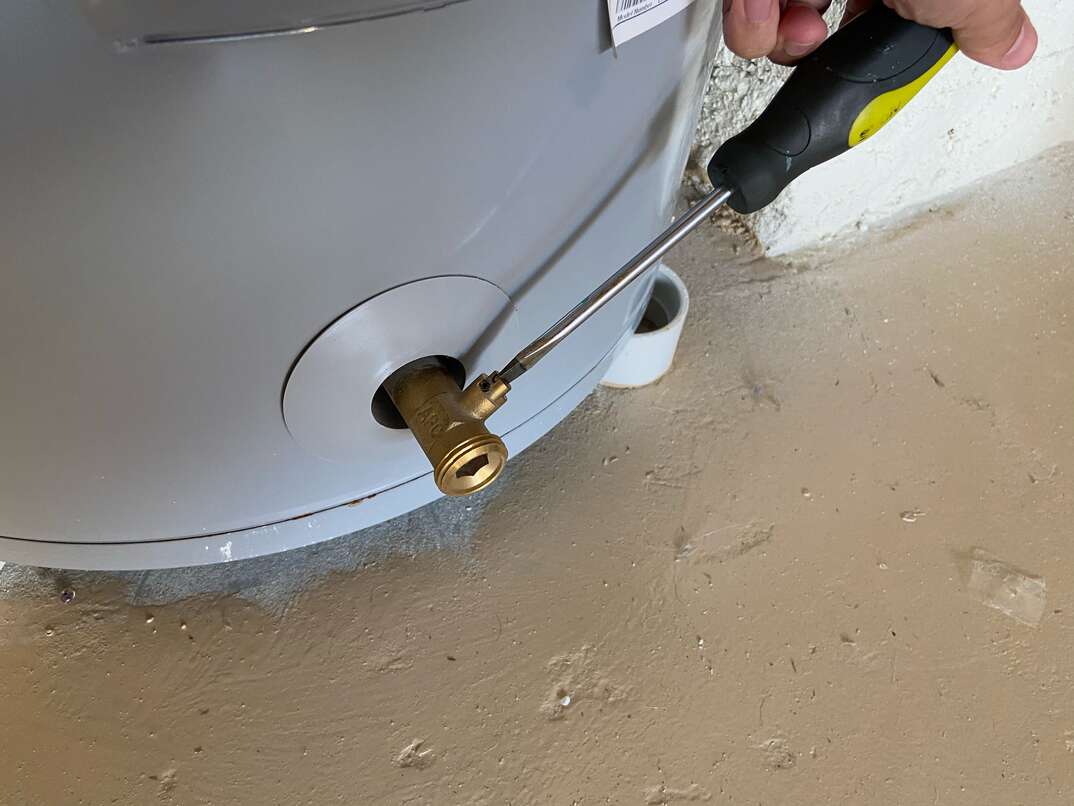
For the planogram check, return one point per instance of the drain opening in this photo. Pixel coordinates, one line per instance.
(471, 468)
(664, 305)
(654, 318)
(384, 410)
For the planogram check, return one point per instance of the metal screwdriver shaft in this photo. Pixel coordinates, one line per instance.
(837, 97)
(607, 291)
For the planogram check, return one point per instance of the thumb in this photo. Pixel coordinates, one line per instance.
(998, 34)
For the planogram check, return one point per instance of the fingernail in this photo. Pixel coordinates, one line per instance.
(758, 10)
(1020, 51)
(797, 48)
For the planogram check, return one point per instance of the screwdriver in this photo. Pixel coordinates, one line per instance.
(837, 97)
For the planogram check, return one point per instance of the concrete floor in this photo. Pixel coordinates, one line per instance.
(828, 559)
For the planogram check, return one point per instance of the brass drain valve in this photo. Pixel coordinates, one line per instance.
(449, 423)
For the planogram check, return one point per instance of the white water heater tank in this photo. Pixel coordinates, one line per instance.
(226, 223)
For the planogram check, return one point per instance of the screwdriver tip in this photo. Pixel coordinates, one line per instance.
(512, 371)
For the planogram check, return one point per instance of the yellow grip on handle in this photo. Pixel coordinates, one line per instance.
(879, 111)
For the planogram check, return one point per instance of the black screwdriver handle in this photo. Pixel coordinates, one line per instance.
(837, 97)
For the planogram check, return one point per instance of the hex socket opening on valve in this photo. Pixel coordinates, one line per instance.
(448, 422)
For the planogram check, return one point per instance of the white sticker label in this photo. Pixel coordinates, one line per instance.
(632, 17)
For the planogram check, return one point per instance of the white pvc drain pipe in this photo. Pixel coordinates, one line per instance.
(650, 352)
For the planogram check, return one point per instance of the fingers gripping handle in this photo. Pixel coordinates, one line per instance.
(837, 97)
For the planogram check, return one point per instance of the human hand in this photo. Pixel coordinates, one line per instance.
(997, 33)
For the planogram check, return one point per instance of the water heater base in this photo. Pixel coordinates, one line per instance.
(290, 534)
